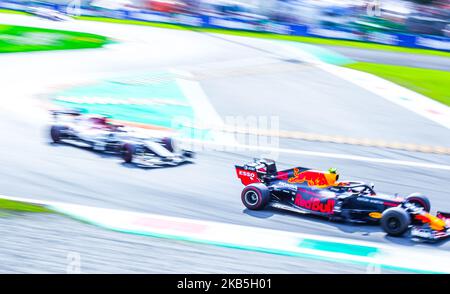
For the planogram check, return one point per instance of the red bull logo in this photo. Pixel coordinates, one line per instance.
(315, 204)
(313, 178)
(434, 222)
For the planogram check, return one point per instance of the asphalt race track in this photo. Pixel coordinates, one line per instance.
(394, 58)
(45, 243)
(240, 77)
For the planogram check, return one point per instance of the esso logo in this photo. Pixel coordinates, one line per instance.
(247, 174)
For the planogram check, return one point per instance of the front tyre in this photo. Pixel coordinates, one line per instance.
(419, 200)
(395, 221)
(188, 154)
(255, 196)
(56, 133)
(128, 151)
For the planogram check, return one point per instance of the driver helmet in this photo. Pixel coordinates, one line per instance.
(334, 175)
(98, 120)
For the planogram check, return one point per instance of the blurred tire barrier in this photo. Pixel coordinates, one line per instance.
(205, 21)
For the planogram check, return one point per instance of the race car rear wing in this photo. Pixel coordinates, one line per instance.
(73, 112)
(265, 170)
(255, 171)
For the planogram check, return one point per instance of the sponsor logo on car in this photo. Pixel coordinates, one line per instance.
(312, 178)
(375, 215)
(315, 204)
(249, 174)
(422, 233)
(374, 201)
(247, 177)
(288, 186)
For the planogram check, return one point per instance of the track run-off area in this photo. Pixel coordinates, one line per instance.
(220, 76)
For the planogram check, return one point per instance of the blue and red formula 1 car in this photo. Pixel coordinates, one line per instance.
(320, 193)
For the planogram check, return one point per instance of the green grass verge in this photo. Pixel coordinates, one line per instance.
(429, 82)
(25, 39)
(21, 206)
(311, 40)
(9, 11)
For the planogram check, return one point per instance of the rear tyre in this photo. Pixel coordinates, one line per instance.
(395, 221)
(255, 196)
(420, 201)
(56, 133)
(128, 151)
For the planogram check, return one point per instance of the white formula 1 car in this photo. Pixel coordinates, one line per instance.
(97, 132)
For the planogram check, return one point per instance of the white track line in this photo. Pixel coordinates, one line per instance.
(240, 147)
(205, 114)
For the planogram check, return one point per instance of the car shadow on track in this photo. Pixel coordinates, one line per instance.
(342, 226)
(143, 166)
(366, 230)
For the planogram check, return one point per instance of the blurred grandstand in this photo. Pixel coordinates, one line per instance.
(429, 17)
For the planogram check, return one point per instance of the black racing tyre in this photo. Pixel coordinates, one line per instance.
(128, 151)
(188, 154)
(395, 221)
(168, 143)
(255, 196)
(419, 200)
(56, 133)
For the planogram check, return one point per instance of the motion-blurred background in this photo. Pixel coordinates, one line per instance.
(357, 16)
(211, 60)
